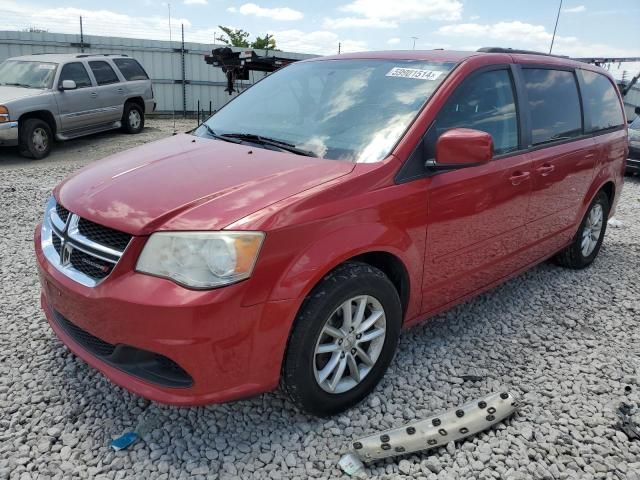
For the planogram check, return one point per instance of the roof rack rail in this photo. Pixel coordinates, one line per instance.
(516, 50)
(85, 55)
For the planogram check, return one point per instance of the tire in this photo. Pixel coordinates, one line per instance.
(35, 139)
(577, 257)
(132, 118)
(303, 367)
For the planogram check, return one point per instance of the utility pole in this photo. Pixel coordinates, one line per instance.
(555, 28)
(81, 36)
(184, 82)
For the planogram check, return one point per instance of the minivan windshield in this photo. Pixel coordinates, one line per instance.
(27, 74)
(353, 110)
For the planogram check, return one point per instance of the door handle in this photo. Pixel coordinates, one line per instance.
(94, 94)
(546, 169)
(518, 177)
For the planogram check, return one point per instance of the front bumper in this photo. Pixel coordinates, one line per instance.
(9, 133)
(227, 350)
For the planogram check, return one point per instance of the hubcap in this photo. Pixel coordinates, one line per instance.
(134, 119)
(350, 344)
(40, 139)
(592, 230)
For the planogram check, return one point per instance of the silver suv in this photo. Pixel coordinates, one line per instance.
(64, 96)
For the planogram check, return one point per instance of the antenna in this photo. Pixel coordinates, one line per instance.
(555, 28)
(414, 42)
(173, 95)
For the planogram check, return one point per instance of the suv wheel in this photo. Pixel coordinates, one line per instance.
(587, 242)
(132, 118)
(35, 138)
(343, 339)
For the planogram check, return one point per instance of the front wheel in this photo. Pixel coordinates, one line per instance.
(132, 118)
(35, 139)
(343, 340)
(588, 240)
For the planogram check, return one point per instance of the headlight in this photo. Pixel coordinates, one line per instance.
(4, 114)
(201, 259)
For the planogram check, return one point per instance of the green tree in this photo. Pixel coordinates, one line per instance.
(265, 43)
(235, 37)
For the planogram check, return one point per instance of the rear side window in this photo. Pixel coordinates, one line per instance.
(76, 72)
(104, 73)
(601, 101)
(554, 104)
(131, 69)
(484, 102)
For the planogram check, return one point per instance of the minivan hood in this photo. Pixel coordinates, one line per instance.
(8, 93)
(189, 183)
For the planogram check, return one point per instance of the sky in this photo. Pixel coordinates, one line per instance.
(585, 28)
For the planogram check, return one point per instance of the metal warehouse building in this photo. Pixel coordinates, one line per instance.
(164, 61)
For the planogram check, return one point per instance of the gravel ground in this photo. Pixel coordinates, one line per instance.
(566, 341)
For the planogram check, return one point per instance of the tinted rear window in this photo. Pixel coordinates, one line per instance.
(554, 104)
(104, 73)
(601, 101)
(131, 69)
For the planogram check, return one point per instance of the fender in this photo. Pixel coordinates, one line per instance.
(311, 264)
(604, 175)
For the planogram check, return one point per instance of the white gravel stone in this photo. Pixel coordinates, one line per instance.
(567, 341)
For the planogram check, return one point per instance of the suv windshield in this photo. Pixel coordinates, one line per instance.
(27, 74)
(354, 110)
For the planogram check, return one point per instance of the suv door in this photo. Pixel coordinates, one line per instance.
(563, 157)
(110, 91)
(78, 108)
(476, 214)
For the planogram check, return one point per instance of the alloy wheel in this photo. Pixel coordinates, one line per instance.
(40, 140)
(349, 344)
(592, 229)
(134, 119)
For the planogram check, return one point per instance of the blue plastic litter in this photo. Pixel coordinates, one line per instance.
(146, 425)
(124, 441)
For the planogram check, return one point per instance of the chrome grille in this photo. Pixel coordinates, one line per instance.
(82, 250)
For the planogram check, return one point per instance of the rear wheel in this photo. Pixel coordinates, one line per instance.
(588, 240)
(343, 340)
(132, 118)
(35, 138)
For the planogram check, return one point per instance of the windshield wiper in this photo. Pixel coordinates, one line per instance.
(25, 85)
(259, 139)
(213, 134)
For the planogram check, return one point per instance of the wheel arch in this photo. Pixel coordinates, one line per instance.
(138, 101)
(44, 115)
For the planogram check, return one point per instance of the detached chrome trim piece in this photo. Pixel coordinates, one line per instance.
(439, 430)
(71, 239)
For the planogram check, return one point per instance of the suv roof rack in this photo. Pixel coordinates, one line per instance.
(516, 50)
(84, 55)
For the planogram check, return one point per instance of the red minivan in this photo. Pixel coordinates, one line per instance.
(290, 237)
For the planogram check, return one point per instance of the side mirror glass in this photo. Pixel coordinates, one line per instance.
(461, 147)
(69, 85)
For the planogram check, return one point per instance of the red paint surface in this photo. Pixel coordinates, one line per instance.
(456, 233)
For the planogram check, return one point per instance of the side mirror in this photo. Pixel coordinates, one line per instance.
(460, 147)
(68, 85)
(637, 110)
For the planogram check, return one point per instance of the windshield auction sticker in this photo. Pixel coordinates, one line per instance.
(414, 73)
